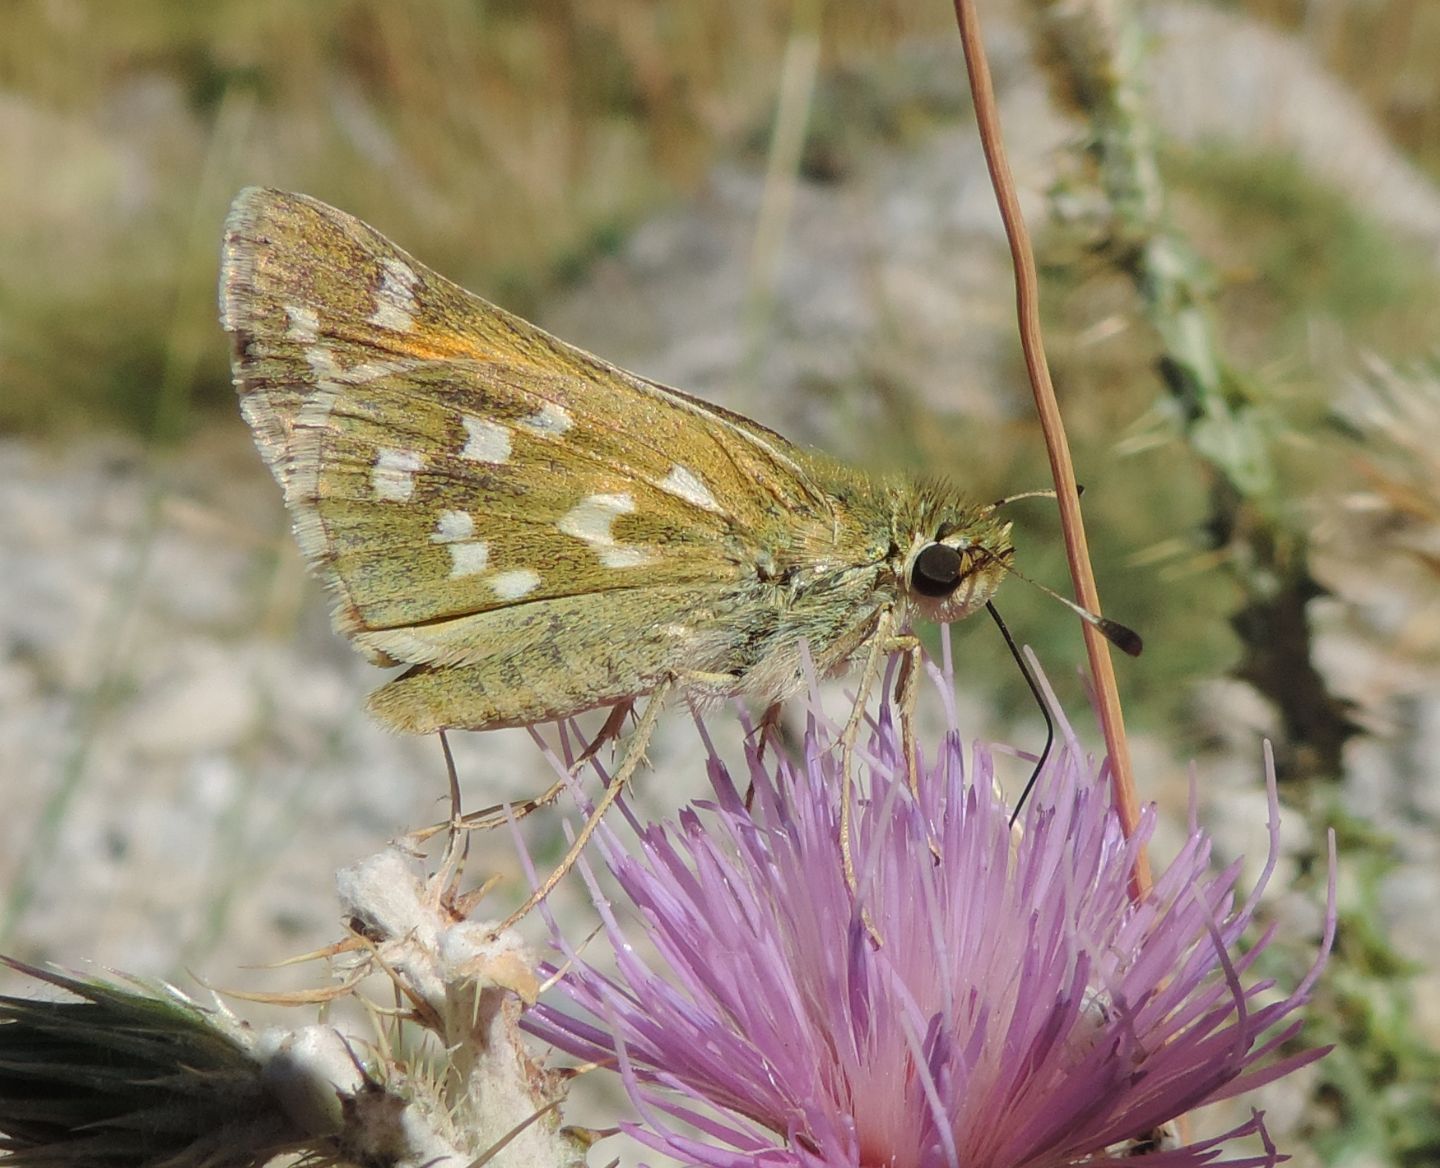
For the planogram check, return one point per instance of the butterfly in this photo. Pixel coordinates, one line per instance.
(532, 531)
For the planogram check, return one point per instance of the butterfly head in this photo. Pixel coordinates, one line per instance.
(955, 567)
(959, 554)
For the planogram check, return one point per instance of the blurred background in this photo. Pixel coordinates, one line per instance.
(779, 205)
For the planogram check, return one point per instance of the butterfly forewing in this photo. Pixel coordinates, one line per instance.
(462, 480)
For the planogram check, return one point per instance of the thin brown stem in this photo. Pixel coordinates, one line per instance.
(1077, 551)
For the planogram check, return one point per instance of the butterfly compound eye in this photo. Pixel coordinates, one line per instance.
(936, 571)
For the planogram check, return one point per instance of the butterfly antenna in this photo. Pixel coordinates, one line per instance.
(1039, 701)
(1047, 493)
(1123, 637)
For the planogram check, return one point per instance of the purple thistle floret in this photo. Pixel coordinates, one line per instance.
(1021, 1011)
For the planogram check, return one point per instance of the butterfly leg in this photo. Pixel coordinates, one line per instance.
(609, 732)
(885, 640)
(501, 813)
(905, 690)
(629, 763)
(770, 727)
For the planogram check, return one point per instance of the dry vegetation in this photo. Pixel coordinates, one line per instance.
(534, 132)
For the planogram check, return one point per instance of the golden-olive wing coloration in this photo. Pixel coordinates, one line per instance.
(533, 530)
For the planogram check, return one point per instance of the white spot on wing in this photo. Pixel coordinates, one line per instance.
(466, 559)
(549, 419)
(467, 554)
(591, 521)
(330, 374)
(323, 364)
(315, 410)
(453, 526)
(393, 476)
(395, 305)
(595, 515)
(370, 370)
(304, 323)
(487, 441)
(300, 463)
(684, 483)
(623, 557)
(514, 584)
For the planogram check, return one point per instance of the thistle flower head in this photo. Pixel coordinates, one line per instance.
(1021, 1010)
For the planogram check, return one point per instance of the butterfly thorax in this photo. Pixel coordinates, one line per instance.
(826, 579)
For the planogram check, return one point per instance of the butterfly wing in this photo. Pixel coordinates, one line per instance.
(469, 487)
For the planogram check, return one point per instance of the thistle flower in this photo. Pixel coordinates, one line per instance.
(1021, 1010)
(133, 1074)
